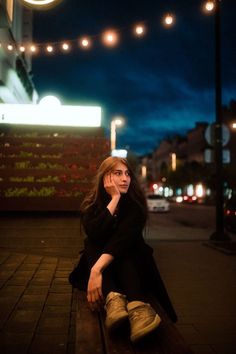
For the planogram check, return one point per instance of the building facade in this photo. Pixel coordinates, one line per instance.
(16, 85)
(192, 152)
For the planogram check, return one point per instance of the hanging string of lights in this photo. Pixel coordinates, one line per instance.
(110, 38)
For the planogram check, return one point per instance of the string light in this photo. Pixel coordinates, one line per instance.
(65, 46)
(110, 38)
(49, 49)
(33, 48)
(85, 42)
(139, 30)
(209, 6)
(168, 20)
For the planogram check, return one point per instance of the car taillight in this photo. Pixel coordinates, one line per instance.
(230, 212)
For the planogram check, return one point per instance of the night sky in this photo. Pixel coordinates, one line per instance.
(162, 83)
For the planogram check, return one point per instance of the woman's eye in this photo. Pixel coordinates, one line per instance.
(117, 173)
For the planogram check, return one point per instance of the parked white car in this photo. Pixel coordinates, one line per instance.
(157, 203)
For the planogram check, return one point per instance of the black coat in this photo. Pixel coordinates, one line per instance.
(120, 236)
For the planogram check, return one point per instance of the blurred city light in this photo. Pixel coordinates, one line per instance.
(114, 123)
(155, 186)
(119, 153)
(199, 190)
(173, 161)
(179, 199)
(190, 190)
(144, 171)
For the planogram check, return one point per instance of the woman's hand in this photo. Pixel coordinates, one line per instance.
(110, 186)
(94, 290)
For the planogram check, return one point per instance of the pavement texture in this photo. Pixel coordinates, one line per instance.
(37, 305)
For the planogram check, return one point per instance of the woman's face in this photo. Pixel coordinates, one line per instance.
(121, 177)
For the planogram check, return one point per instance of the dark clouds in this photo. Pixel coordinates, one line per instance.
(162, 83)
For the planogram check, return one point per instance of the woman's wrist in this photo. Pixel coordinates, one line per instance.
(113, 203)
(104, 260)
(96, 269)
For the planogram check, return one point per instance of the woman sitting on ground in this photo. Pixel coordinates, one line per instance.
(121, 267)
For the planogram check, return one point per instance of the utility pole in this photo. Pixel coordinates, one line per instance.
(219, 234)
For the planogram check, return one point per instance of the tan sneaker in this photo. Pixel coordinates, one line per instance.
(116, 309)
(143, 319)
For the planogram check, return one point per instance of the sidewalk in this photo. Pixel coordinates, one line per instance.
(37, 306)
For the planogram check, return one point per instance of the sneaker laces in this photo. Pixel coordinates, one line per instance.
(117, 302)
(141, 312)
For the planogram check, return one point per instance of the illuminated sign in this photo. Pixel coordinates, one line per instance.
(51, 115)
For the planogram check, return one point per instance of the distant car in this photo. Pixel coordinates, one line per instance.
(190, 199)
(230, 214)
(157, 203)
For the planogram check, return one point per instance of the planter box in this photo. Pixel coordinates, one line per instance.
(70, 154)
(40, 204)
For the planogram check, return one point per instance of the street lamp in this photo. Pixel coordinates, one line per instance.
(116, 122)
(219, 234)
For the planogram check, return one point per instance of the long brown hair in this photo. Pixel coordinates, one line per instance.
(98, 195)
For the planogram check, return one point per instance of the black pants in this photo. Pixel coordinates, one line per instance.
(123, 275)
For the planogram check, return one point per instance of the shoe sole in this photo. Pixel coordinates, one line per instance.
(144, 331)
(114, 325)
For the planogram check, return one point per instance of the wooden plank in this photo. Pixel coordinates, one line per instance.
(88, 333)
(117, 342)
(166, 339)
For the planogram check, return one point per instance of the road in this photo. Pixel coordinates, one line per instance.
(59, 235)
(183, 222)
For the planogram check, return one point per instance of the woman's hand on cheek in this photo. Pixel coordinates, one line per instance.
(110, 185)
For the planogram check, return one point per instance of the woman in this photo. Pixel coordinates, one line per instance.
(120, 264)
